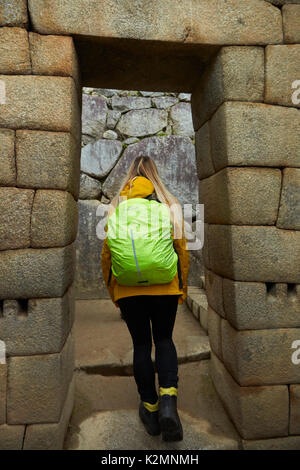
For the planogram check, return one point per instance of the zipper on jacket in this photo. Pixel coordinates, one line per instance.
(109, 277)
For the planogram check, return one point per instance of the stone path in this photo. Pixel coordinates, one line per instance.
(106, 399)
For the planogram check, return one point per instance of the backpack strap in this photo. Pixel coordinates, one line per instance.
(179, 270)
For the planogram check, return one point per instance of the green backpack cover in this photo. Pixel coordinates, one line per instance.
(139, 238)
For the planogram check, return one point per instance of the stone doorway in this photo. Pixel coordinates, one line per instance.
(240, 61)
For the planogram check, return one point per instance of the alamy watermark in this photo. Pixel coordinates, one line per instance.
(156, 221)
(2, 352)
(2, 92)
(296, 93)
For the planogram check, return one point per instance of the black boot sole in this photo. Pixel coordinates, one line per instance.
(171, 431)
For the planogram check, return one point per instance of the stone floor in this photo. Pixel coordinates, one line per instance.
(106, 400)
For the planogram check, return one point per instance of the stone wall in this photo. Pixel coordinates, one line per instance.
(117, 126)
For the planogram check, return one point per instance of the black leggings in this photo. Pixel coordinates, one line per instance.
(137, 311)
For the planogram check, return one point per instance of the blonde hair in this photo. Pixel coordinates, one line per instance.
(145, 166)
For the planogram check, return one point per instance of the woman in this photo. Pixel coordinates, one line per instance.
(156, 305)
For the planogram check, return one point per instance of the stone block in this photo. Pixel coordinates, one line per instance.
(99, 157)
(11, 437)
(205, 248)
(47, 103)
(37, 326)
(3, 381)
(13, 13)
(181, 117)
(255, 134)
(142, 122)
(241, 196)
(37, 385)
(254, 253)
(295, 410)
(232, 22)
(90, 188)
(236, 73)
(33, 272)
(214, 291)
(89, 282)
(94, 115)
(257, 412)
(54, 55)
(279, 443)
(282, 69)
(15, 214)
(260, 357)
(54, 219)
(14, 51)
(259, 305)
(51, 436)
(205, 166)
(214, 332)
(8, 166)
(289, 209)
(291, 23)
(126, 103)
(48, 160)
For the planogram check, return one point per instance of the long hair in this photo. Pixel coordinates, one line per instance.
(145, 166)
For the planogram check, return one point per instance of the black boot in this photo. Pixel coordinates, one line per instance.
(150, 420)
(168, 418)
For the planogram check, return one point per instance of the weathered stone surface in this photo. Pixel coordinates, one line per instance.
(241, 196)
(279, 443)
(253, 253)
(51, 436)
(8, 167)
(164, 101)
(205, 166)
(282, 70)
(34, 102)
(48, 160)
(295, 410)
(214, 332)
(257, 305)
(255, 134)
(53, 55)
(37, 385)
(214, 291)
(182, 119)
(282, 2)
(94, 111)
(35, 272)
(41, 329)
(175, 160)
(291, 23)
(99, 157)
(13, 13)
(126, 103)
(289, 210)
(258, 357)
(236, 73)
(236, 22)
(89, 282)
(109, 134)
(14, 51)
(54, 219)
(112, 118)
(90, 188)
(185, 96)
(142, 122)
(15, 213)
(3, 380)
(257, 412)
(11, 437)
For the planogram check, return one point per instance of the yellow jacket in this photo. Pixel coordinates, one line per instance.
(142, 187)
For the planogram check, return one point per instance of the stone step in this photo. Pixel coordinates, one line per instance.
(106, 408)
(104, 345)
(197, 303)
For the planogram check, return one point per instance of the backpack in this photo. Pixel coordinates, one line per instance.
(139, 238)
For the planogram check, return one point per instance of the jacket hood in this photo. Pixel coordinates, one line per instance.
(139, 186)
